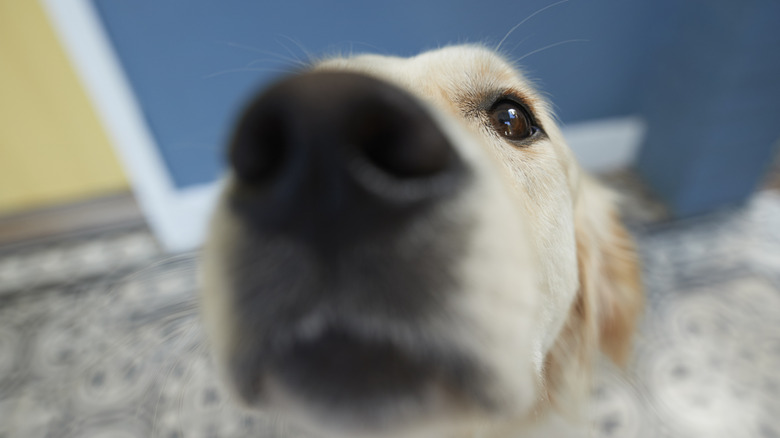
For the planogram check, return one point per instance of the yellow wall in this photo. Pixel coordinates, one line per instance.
(52, 147)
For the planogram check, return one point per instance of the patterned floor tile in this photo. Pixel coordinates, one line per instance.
(100, 337)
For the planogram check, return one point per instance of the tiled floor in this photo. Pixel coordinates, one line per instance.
(100, 337)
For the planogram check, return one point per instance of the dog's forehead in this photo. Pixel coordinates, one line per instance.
(458, 75)
(465, 81)
(469, 65)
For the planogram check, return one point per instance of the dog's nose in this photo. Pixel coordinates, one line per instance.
(321, 118)
(327, 143)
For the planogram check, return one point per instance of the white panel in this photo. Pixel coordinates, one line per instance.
(177, 217)
(606, 144)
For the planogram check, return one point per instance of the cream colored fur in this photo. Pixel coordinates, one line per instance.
(549, 275)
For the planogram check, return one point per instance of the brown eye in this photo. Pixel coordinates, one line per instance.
(511, 120)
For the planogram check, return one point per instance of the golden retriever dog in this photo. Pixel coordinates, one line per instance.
(406, 247)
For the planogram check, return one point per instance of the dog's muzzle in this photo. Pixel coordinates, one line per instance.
(321, 121)
(345, 246)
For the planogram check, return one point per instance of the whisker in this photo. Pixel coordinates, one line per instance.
(518, 44)
(549, 46)
(300, 46)
(277, 56)
(187, 378)
(187, 257)
(277, 59)
(377, 49)
(498, 47)
(290, 52)
(166, 375)
(261, 61)
(247, 70)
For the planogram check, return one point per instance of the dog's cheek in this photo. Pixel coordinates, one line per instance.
(500, 299)
(540, 188)
(216, 299)
(525, 251)
(621, 301)
(610, 285)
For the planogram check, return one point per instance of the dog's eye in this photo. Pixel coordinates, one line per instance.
(511, 120)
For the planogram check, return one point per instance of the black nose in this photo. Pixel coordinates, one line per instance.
(322, 118)
(330, 143)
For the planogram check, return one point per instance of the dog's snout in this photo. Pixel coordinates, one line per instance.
(311, 131)
(394, 134)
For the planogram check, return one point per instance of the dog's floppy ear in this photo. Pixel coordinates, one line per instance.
(610, 298)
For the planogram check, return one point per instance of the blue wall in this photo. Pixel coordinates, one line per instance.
(192, 62)
(712, 103)
(705, 74)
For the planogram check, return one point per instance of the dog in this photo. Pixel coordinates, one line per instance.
(406, 247)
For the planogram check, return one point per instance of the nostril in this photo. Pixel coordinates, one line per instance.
(303, 130)
(402, 143)
(259, 147)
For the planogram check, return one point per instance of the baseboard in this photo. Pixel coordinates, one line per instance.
(605, 145)
(119, 210)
